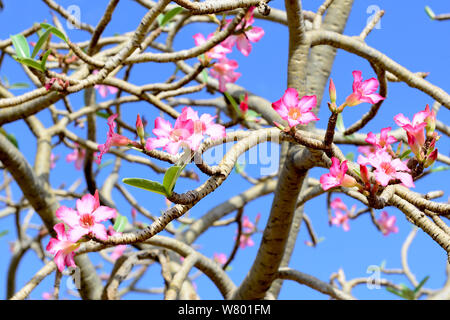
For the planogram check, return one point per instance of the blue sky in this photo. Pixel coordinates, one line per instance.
(406, 35)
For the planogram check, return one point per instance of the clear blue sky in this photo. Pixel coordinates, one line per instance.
(406, 35)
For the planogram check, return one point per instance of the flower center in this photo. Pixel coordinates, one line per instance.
(387, 168)
(294, 113)
(87, 220)
(175, 135)
(198, 126)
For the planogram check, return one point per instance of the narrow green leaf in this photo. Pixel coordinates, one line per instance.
(340, 123)
(19, 85)
(392, 290)
(30, 62)
(11, 137)
(350, 156)
(145, 184)
(105, 164)
(205, 75)
(55, 31)
(239, 168)
(44, 59)
(20, 44)
(429, 12)
(421, 284)
(3, 233)
(102, 114)
(121, 223)
(440, 168)
(40, 43)
(169, 16)
(170, 178)
(233, 103)
(405, 154)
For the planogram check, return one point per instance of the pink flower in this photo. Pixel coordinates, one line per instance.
(103, 89)
(47, 296)
(337, 204)
(337, 176)
(217, 52)
(245, 33)
(113, 139)
(387, 169)
(78, 156)
(384, 140)
(294, 110)
(247, 225)
(363, 91)
(341, 219)
(53, 159)
(118, 250)
(168, 138)
(224, 72)
(221, 258)
(246, 241)
(86, 219)
(199, 127)
(414, 128)
(387, 224)
(62, 248)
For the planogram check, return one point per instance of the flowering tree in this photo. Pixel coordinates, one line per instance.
(175, 144)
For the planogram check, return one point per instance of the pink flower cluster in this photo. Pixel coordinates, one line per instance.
(386, 165)
(248, 229)
(341, 214)
(188, 131)
(243, 35)
(85, 220)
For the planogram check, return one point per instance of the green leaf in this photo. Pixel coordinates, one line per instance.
(105, 164)
(421, 284)
(392, 290)
(429, 12)
(407, 293)
(41, 42)
(239, 168)
(170, 178)
(350, 156)
(121, 223)
(44, 59)
(3, 233)
(440, 168)
(10, 137)
(30, 62)
(405, 154)
(233, 103)
(340, 123)
(102, 114)
(145, 184)
(19, 85)
(55, 31)
(205, 75)
(169, 16)
(20, 44)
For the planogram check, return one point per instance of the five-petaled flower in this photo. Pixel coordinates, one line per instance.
(86, 219)
(224, 72)
(78, 154)
(245, 33)
(363, 91)
(217, 52)
(383, 140)
(387, 223)
(103, 89)
(386, 168)
(62, 247)
(337, 176)
(294, 110)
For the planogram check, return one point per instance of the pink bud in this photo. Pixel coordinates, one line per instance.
(332, 90)
(431, 158)
(140, 127)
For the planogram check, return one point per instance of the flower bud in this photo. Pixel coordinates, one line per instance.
(140, 127)
(332, 90)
